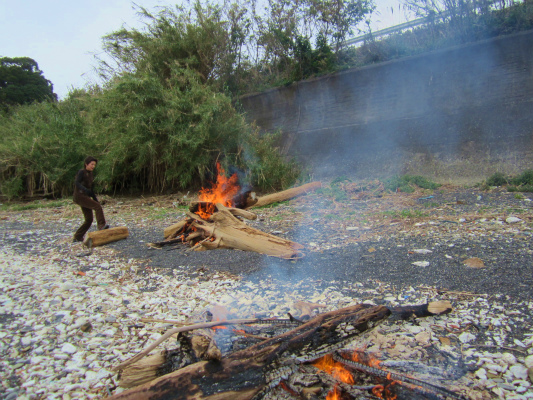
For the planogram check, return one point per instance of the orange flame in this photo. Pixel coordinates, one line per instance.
(339, 372)
(334, 394)
(332, 367)
(222, 191)
(218, 327)
(384, 392)
(365, 358)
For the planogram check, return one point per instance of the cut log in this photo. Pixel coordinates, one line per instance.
(105, 236)
(287, 194)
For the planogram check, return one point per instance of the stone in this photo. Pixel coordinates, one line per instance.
(421, 263)
(509, 358)
(68, 348)
(519, 371)
(474, 262)
(25, 341)
(466, 337)
(423, 337)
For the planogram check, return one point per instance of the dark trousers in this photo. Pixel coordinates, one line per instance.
(87, 206)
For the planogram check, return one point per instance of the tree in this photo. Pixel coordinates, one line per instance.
(196, 39)
(22, 82)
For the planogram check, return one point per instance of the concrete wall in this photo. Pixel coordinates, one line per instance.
(457, 114)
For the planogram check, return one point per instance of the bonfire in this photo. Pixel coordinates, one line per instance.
(216, 220)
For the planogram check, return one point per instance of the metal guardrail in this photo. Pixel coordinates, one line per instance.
(400, 27)
(387, 31)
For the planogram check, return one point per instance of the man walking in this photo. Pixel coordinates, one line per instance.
(86, 199)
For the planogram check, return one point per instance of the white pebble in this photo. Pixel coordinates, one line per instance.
(68, 348)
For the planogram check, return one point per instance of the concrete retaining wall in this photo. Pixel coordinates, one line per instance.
(458, 114)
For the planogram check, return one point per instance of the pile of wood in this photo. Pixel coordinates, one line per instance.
(287, 360)
(210, 226)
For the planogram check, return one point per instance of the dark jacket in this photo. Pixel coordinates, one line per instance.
(84, 185)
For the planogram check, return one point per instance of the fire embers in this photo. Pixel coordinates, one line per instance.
(357, 370)
(382, 388)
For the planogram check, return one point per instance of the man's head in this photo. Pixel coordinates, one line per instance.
(90, 163)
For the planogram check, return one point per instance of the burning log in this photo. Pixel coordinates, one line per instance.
(287, 194)
(174, 229)
(366, 363)
(99, 238)
(205, 210)
(228, 232)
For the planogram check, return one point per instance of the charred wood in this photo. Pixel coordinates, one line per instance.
(244, 374)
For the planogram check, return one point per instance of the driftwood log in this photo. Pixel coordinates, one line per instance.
(223, 230)
(99, 238)
(287, 194)
(172, 230)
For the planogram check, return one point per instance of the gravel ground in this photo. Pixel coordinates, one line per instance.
(67, 317)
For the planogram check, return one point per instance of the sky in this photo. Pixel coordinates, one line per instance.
(63, 36)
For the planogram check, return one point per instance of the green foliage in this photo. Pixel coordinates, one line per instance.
(12, 187)
(164, 115)
(22, 82)
(519, 183)
(195, 39)
(523, 188)
(163, 135)
(340, 179)
(525, 178)
(309, 61)
(449, 23)
(335, 189)
(268, 168)
(42, 146)
(497, 179)
(407, 183)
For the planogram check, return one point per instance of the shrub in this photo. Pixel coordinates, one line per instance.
(407, 183)
(41, 147)
(525, 178)
(268, 169)
(12, 187)
(497, 179)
